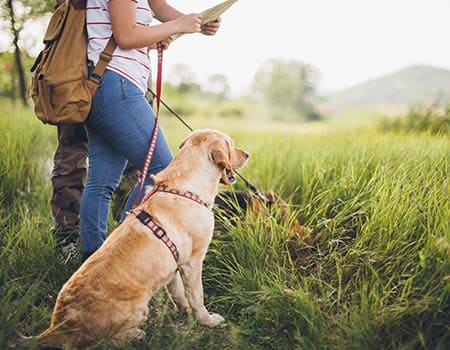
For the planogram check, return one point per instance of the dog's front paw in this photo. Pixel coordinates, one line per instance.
(139, 334)
(213, 320)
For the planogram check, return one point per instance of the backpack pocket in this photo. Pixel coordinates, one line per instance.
(69, 95)
(39, 92)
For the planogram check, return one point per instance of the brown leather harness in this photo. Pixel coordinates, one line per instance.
(146, 219)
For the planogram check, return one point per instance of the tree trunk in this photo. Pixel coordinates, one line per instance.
(13, 86)
(17, 56)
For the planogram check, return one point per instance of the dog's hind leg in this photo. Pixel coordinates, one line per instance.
(121, 338)
(176, 291)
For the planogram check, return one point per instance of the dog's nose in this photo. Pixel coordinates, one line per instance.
(246, 155)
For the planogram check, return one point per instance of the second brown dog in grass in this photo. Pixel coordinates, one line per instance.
(235, 205)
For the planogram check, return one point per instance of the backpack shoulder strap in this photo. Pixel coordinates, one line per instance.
(104, 59)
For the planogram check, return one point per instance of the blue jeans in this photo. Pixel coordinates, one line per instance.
(119, 126)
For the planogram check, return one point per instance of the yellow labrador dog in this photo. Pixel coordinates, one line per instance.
(107, 297)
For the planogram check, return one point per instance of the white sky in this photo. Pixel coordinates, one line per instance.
(348, 41)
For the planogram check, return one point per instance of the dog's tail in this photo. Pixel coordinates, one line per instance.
(51, 338)
(22, 342)
(48, 339)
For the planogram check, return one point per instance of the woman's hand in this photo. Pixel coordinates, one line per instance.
(165, 43)
(211, 28)
(189, 23)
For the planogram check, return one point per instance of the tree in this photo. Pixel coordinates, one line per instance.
(183, 79)
(287, 85)
(16, 13)
(218, 85)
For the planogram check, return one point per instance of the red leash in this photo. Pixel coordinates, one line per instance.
(151, 148)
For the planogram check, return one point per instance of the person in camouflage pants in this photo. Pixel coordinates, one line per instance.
(68, 179)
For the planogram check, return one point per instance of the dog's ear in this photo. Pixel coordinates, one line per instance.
(220, 155)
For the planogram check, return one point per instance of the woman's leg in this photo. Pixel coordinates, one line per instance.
(161, 158)
(131, 129)
(125, 121)
(105, 169)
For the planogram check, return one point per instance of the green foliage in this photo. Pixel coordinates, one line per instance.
(218, 86)
(183, 81)
(28, 9)
(378, 278)
(16, 14)
(421, 120)
(24, 156)
(39, 7)
(9, 79)
(287, 86)
(189, 100)
(283, 91)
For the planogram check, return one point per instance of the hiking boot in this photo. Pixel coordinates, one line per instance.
(70, 252)
(67, 245)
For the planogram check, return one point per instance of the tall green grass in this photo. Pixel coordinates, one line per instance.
(379, 276)
(30, 274)
(25, 146)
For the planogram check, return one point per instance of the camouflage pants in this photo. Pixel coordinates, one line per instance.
(69, 177)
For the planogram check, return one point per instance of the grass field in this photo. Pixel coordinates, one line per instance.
(379, 277)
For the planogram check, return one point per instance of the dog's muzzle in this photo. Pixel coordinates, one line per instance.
(228, 177)
(231, 178)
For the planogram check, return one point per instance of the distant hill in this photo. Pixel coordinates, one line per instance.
(394, 92)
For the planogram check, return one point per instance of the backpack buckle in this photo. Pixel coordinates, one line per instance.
(95, 78)
(105, 57)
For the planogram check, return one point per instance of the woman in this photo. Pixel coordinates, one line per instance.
(121, 121)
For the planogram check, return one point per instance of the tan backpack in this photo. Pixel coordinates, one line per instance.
(59, 87)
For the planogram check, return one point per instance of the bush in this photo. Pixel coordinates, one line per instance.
(421, 120)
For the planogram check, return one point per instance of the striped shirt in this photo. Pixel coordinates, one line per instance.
(132, 64)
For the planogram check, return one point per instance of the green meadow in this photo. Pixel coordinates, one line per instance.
(377, 198)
